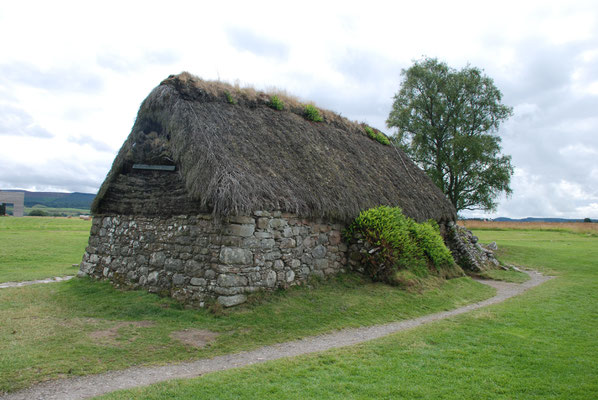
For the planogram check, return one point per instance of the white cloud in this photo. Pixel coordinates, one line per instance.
(76, 72)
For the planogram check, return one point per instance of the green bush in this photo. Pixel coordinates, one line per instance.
(38, 213)
(312, 113)
(399, 247)
(276, 103)
(376, 135)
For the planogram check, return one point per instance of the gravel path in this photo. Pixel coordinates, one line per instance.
(95, 385)
(26, 283)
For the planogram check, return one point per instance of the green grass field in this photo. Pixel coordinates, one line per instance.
(41, 247)
(80, 327)
(540, 345)
(53, 211)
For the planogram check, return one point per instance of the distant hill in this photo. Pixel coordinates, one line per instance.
(532, 219)
(57, 200)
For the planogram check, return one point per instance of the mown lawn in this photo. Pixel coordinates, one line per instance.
(81, 327)
(540, 345)
(41, 247)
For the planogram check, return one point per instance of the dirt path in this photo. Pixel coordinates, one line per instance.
(5, 285)
(95, 385)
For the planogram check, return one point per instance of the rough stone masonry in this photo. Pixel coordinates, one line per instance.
(196, 259)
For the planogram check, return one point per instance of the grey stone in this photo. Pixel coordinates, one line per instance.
(242, 220)
(193, 267)
(277, 223)
(244, 230)
(273, 255)
(287, 232)
(492, 246)
(278, 264)
(270, 278)
(157, 259)
(319, 251)
(152, 278)
(288, 243)
(322, 238)
(173, 264)
(231, 280)
(210, 274)
(267, 243)
(198, 282)
(262, 235)
(262, 223)
(295, 263)
(250, 242)
(230, 301)
(290, 276)
(321, 263)
(308, 242)
(235, 255)
(178, 279)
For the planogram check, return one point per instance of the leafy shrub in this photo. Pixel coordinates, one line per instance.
(376, 135)
(38, 213)
(312, 113)
(398, 246)
(229, 98)
(276, 103)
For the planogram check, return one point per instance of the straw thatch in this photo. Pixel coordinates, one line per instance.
(234, 154)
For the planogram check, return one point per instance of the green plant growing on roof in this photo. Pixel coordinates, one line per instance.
(376, 135)
(276, 103)
(229, 98)
(312, 113)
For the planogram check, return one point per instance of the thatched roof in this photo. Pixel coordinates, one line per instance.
(236, 154)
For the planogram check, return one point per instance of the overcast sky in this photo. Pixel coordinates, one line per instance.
(73, 74)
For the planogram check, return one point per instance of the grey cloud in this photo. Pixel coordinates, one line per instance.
(55, 79)
(93, 143)
(365, 66)
(72, 176)
(17, 122)
(245, 40)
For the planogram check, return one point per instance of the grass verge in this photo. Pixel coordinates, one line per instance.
(540, 345)
(81, 327)
(41, 247)
(507, 276)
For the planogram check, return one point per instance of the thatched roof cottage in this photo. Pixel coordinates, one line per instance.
(217, 193)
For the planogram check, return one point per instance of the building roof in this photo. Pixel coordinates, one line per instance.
(236, 154)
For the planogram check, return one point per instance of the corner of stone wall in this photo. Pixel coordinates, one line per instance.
(467, 251)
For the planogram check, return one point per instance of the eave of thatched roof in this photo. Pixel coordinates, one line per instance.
(242, 156)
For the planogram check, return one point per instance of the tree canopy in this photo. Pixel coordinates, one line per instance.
(447, 121)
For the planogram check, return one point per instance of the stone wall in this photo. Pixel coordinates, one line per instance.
(467, 252)
(197, 259)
